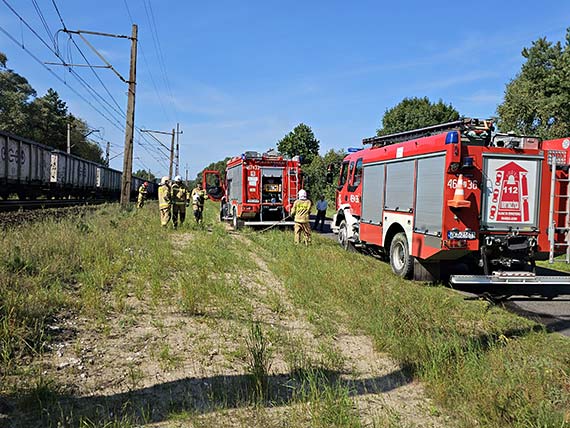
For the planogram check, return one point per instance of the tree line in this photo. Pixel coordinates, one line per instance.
(41, 118)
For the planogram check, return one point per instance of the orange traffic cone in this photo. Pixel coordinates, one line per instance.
(458, 200)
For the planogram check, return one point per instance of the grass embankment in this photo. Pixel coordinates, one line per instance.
(110, 321)
(559, 264)
(233, 306)
(52, 266)
(493, 368)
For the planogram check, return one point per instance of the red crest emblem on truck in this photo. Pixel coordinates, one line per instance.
(510, 195)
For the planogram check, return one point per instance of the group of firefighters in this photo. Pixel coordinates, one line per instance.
(173, 198)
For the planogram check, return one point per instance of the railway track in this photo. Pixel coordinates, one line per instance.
(24, 205)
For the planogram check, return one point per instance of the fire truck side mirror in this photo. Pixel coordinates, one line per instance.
(329, 176)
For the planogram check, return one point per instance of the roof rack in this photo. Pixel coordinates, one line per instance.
(462, 124)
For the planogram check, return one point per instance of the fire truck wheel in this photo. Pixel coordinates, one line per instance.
(400, 260)
(343, 237)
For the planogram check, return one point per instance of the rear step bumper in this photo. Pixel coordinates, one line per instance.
(509, 278)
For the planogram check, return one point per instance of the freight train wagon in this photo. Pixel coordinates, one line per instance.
(24, 167)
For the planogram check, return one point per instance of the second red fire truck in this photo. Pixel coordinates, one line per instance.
(258, 189)
(458, 195)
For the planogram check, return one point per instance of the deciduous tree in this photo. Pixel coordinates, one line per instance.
(15, 91)
(315, 174)
(300, 141)
(413, 113)
(537, 100)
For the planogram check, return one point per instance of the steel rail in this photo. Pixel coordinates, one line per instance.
(16, 205)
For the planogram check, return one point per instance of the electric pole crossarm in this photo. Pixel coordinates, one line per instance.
(76, 65)
(156, 132)
(97, 33)
(156, 139)
(102, 58)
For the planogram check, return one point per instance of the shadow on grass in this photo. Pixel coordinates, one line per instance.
(552, 322)
(194, 396)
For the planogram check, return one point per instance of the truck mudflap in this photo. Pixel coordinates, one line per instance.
(509, 278)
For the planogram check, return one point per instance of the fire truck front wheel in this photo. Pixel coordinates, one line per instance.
(400, 260)
(343, 237)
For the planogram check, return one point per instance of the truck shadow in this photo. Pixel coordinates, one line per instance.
(196, 396)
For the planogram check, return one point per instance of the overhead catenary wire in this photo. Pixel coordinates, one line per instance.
(30, 53)
(108, 115)
(119, 110)
(158, 47)
(149, 69)
(113, 120)
(43, 21)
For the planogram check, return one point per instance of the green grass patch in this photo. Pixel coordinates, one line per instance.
(481, 361)
(70, 265)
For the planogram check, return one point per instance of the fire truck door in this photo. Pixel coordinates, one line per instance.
(212, 183)
(353, 188)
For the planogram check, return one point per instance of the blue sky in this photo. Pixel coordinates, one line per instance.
(239, 75)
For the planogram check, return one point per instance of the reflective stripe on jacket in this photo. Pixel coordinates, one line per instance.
(198, 197)
(163, 196)
(179, 194)
(301, 210)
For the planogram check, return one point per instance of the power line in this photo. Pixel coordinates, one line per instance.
(157, 46)
(101, 101)
(57, 54)
(152, 79)
(7, 34)
(43, 21)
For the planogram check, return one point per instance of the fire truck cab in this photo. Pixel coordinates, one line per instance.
(258, 189)
(456, 198)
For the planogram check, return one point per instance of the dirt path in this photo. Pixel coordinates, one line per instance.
(156, 363)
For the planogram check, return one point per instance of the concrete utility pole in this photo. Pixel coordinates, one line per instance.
(187, 174)
(132, 82)
(177, 149)
(129, 131)
(171, 155)
(107, 152)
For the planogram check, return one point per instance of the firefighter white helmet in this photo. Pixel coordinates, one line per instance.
(164, 179)
(178, 178)
(302, 194)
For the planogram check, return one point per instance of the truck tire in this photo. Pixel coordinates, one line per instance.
(400, 260)
(343, 237)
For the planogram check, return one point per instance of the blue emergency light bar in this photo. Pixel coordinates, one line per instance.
(452, 137)
(353, 149)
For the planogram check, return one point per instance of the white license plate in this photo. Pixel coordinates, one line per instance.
(461, 234)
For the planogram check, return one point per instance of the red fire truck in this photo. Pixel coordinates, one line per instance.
(258, 190)
(456, 195)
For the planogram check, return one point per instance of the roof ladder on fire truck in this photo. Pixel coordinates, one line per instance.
(559, 214)
(292, 184)
(465, 123)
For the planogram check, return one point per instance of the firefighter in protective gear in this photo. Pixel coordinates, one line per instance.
(143, 191)
(300, 213)
(164, 201)
(198, 197)
(180, 201)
